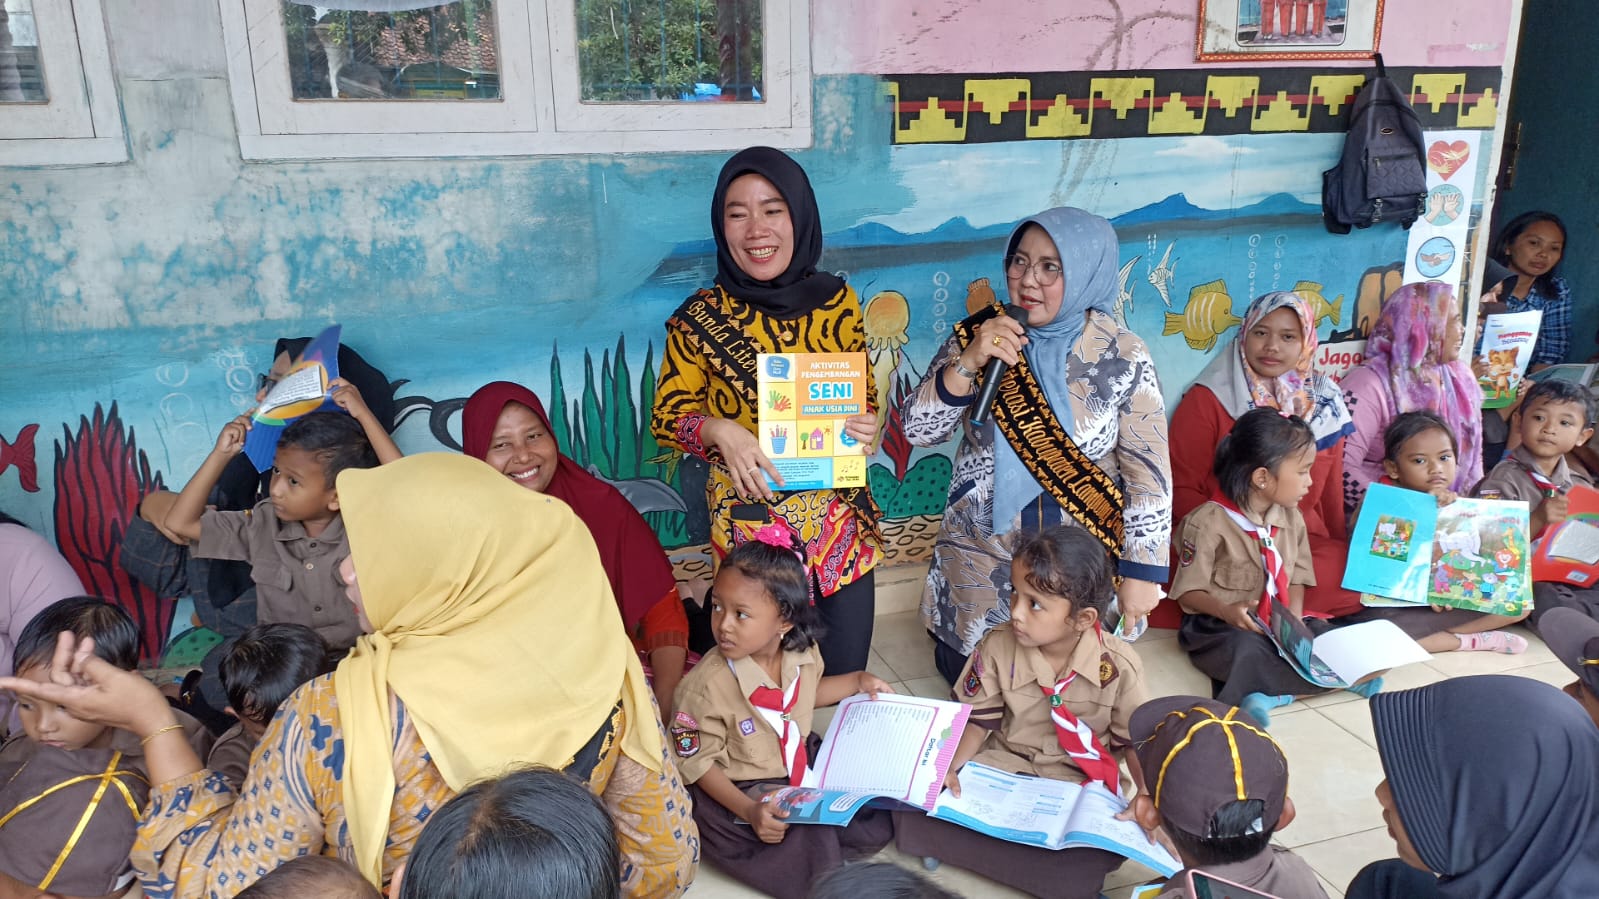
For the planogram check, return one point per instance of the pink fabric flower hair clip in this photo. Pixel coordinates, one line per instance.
(774, 534)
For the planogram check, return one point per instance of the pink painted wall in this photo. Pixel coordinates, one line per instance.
(972, 36)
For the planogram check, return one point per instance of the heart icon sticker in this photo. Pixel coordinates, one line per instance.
(1447, 159)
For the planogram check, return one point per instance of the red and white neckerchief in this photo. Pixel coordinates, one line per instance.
(1543, 482)
(775, 708)
(1271, 558)
(1078, 739)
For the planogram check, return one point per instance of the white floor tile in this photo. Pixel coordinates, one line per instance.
(902, 642)
(1338, 860)
(1332, 776)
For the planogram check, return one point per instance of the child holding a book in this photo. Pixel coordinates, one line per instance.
(742, 719)
(295, 538)
(1420, 453)
(1051, 694)
(1555, 417)
(1244, 550)
(1218, 784)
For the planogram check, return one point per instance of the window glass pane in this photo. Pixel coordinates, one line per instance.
(21, 69)
(392, 50)
(640, 50)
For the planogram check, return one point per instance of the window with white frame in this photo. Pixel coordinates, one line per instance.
(414, 78)
(58, 100)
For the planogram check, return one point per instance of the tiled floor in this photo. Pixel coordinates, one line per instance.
(1328, 739)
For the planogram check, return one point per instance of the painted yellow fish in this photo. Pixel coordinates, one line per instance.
(1208, 314)
(1320, 309)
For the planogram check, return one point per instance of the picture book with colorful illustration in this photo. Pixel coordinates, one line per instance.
(1481, 557)
(1507, 342)
(1390, 548)
(1471, 554)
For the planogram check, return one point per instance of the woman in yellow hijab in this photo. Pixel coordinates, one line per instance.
(493, 643)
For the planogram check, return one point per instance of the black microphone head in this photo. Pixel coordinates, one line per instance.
(1018, 314)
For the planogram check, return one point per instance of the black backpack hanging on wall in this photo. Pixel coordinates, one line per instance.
(1382, 174)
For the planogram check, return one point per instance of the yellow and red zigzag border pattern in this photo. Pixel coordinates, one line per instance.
(1056, 106)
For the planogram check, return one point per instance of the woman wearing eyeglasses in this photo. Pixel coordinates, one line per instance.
(1076, 434)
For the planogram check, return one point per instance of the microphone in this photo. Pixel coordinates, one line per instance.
(994, 373)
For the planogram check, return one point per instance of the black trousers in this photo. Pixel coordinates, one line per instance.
(847, 618)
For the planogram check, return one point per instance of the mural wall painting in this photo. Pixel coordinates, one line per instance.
(1211, 179)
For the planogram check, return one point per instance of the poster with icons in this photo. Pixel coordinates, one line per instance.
(804, 400)
(1436, 248)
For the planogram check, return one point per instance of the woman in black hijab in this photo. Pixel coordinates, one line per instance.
(1492, 791)
(770, 297)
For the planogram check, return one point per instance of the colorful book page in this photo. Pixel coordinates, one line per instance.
(804, 401)
(1481, 558)
(1390, 550)
(303, 390)
(1507, 342)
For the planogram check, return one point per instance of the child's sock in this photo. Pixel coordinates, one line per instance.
(1259, 706)
(1493, 641)
(1368, 689)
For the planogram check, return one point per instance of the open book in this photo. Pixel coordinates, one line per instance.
(1474, 553)
(1569, 551)
(1507, 342)
(1053, 814)
(894, 747)
(1343, 655)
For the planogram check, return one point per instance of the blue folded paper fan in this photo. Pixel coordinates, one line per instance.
(302, 391)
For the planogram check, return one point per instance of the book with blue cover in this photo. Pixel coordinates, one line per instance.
(1390, 549)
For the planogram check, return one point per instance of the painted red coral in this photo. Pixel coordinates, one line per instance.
(99, 477)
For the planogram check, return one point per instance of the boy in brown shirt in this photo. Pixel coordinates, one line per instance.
(1052, 694)
(1218, 783)
(295, 539)
(1555, 417)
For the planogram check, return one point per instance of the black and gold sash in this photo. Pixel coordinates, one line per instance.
(729, 352)
(1023, 415)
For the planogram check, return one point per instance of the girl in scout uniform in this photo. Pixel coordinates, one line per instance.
(1052, 694)
(1242, 550)
(743, 716)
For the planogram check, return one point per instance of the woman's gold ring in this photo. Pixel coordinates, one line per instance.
(998, 341)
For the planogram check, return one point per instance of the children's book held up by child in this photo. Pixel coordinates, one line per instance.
(1507, 342)
(1568, 552)
(894, 747)
(1390, 547)
(804, 400)
(1475, 552)
(1052, 814)
(1342, 656)
(305, 389)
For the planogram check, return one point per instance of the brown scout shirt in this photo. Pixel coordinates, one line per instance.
(1003, 683)
(1224, 560)
(296, 576)
(1275, 872)
(714, 723)
(1509, 480)
(230, 757)
(40, 832)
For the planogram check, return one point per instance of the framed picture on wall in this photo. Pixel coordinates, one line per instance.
(1250, 30)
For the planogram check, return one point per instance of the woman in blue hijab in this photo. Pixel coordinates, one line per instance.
(1076, 434)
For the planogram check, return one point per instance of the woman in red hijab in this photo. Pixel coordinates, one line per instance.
(505, 425)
